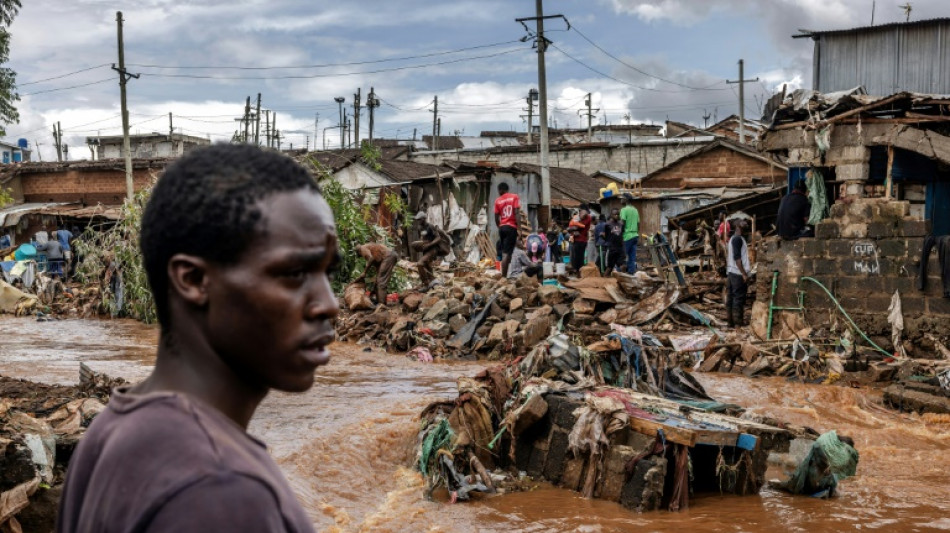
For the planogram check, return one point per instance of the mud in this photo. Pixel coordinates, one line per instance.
(347, 443)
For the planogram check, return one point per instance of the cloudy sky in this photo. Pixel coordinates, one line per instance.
(650, 59)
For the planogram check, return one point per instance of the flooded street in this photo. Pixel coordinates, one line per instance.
(347, 445)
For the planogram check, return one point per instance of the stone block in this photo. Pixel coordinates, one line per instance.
(827, 229)
(904, 284)
(550, 295)
(880, 230)
(614, 476)
(826, 266)
(557, 456)
(574, 470)
(912, 305)
(938, 306)
(814, 248)
(857, 284)
(895, 248)
(852, 172)
(914, 228)
(644, 490)
(895, 209)
(457, 322)
(516, 304)
(839, 248)
(854, 230)
(503, 330)
(561, 410)
(536, 330)
(915, 245)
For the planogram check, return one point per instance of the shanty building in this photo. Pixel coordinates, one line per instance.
(146, 145)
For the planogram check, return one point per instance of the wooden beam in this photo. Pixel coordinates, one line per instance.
(670, 433)
(889, 180)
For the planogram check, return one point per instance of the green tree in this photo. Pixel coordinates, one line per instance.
(5, 197)
(8, 92)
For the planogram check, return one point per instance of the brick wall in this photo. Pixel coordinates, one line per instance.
(643, 158)
(862, 253)
(718, 163)
(90, 187)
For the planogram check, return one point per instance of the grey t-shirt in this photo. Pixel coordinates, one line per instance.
(167, 462)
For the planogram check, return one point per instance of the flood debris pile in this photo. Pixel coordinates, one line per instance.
(40, 426)
(473, 312)
(555, 415)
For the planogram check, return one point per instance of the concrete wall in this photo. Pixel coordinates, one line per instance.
(862, 253)
(644, 158)
(149, 149)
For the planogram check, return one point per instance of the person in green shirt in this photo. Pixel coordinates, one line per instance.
(631, 229)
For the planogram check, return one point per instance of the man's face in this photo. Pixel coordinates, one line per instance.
(270, 315)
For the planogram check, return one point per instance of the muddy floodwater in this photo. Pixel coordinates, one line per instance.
(347, 445)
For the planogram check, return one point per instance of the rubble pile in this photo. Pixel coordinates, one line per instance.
(40, 426)
(556, 416)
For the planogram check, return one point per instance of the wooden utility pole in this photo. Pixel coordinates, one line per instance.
(275, 134)
(267, 128)
(541, 43)
(372, 103)
(742, 81)
(435, 123)
(532, 97)
(247, 120)
(171, 127)
(590, 117)
(356, 116)
(124, 77)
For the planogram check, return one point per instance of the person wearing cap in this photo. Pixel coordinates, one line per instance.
(737, 270)
(793, 213)
(631, 230)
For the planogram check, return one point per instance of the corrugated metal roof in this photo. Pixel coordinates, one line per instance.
(917, 23)
(11, 215)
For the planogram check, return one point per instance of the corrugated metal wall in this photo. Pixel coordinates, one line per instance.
(886, 60)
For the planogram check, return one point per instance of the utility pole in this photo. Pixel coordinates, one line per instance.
(435, 121)
(590, 117)
(629, 144)
(356, 115)
(541, 43)
(706, 116)
(316, 125)
(124, 77)
(339, 100)
(438, 128)
(267, 128)
(531, 99)
(39, 153)
(257, 122)
(275, 137)
(247, 119)
(742, 81)
(58, 141)
(171, 127)
(372, 103)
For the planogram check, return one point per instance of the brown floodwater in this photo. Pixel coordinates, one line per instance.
(347, 445)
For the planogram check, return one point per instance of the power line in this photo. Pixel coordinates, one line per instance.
(63, 75)
(641, 71)
(325, 65)
(332, 75)
(68, 88)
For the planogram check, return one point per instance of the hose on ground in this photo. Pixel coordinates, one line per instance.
(847, 316)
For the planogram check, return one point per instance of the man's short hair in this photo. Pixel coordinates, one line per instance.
(800, 185)
(502, 187)
(206, 205)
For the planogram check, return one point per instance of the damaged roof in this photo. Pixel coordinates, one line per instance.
(569, 187)
(10, 171)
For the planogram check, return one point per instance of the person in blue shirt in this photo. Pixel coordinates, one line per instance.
(65, 238)
(600, 241)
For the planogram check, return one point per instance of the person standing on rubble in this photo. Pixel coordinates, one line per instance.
(434, 245)
(737, 270)
(54, 255)
(631, 231)
(614, 243)
(65, 238)
(237, 244)
(383, 259)
(508, 222)
(600, 243)
(580, 230)
(793, 213)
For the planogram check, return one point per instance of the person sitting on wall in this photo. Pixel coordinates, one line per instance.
(793, 213)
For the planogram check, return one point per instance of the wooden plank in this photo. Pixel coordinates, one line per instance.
(716, 438)
(671, 433)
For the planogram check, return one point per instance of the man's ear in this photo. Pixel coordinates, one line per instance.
(188, 277)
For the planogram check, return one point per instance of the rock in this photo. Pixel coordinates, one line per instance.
(515, 304)
(533, 410)
(402, 323)
(458, 293)
(457, 322)
(503, 330)
(439, 311)
(440, 329)
(517, 315)
(356, 298)
(457, 307)
(561, 309)
(590, 270)
(549, 295)
(536, 330)
(582, 320)
(584, 306)
(497, 311)
(411, 301)
(541, 311)
(429, 300)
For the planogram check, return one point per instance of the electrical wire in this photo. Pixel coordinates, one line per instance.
(63, 75)
(68, 88)
(331, 75)
(325, 65)
(641, 71)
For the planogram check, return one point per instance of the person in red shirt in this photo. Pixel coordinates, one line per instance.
(581, 231)
(507, 218)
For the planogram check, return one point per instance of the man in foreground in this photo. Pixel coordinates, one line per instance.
(237, 245)
(507, 220)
